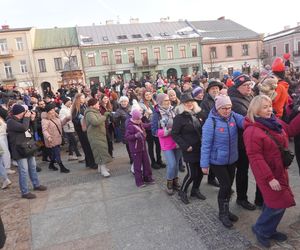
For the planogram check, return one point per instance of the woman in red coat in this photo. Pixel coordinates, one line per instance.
(267, 166)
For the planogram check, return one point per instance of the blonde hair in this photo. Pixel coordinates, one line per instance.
(75, 109)
(256, 105)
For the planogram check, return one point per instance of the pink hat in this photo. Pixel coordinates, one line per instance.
(136, 114)
(221, 101)
(160, 98)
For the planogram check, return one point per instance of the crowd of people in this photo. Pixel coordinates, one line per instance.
(198, 125)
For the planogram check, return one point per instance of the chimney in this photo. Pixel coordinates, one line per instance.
(164, 19)
(286, 27)
(109, 22)
(5, 27)
(221, 18)
(133, 20)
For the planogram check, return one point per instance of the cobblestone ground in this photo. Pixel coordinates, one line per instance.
(21, 217)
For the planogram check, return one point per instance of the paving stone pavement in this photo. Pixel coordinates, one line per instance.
(82, 210)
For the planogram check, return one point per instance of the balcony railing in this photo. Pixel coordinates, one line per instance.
(296, 53)
(145, 63)
(6, 53)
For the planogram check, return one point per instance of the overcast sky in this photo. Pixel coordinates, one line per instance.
(259, 15)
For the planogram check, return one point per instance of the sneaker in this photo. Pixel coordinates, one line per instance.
(161, 164)
(6, 183)
(104, 171)
(198, 195)
(10, 171)
(150, 182)
(142, 186)
(183, 197)
(262, 240)
(38, 169)
(246, 204)
(40, 188)
(72, 158)
(132, 169)
(279, 237)
(29, 196)
(155, 165)
(81, 159)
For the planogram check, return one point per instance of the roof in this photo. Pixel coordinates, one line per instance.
(136, 32)
(282, 33)
(15, 29)
(55, 38)
(225, 29)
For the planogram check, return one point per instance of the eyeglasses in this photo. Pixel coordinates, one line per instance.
(225, 109)
(166, 100)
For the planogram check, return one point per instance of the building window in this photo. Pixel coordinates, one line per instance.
(91, 59)
(136, 36)
(274, 52)
(229, 51)
(298, 47)
(122, 37)
(148, 35)
(104, 58)
(19, 42)
(182, 52)
(23, 66)
(144, 56)
(287, 48)
(8, 70)
(130, 56)
(170, 53)
(118, 57)
(58, 63)
(245, 51)
(42, 65)
(74, 60)
(3, 46)
(213, 52)
(156, 52)
(194, 51)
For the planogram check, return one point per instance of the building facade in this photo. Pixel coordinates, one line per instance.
(16, 59)
(131, 51)
(283, 42)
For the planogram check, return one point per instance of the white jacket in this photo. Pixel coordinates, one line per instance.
(64, 112)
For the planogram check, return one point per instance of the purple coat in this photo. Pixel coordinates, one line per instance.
(136, 144)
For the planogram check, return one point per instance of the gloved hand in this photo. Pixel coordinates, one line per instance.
(139, 135)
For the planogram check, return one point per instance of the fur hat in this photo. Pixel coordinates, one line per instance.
(17, 109)
(241, 79)
(221, 101)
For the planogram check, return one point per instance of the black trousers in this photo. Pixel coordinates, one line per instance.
(72, 143)
(84, 141)
(297, 149)
(151, 140)
(225, 175)
(194, 174)
(109, 139)
(242, 175)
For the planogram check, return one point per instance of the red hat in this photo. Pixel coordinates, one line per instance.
(278, 65)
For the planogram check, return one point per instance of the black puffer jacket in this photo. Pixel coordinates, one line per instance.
(186, 131)
(207, 104)
(16, 134)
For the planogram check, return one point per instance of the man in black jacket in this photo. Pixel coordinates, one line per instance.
(18, 133)
(241, 95)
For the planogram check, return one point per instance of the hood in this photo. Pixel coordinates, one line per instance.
(91, 110)
(284, 84)
(180, 109)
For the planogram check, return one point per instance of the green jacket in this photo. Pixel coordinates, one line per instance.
(96, 133)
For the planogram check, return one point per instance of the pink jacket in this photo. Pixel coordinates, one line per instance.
(51, 130)
(166, 142)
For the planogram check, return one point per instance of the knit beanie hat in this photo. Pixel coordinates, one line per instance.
(221, 101)
(136, 114)
(17, 109)
(196, 91)
(92, 102)
(50, 106)
(241, 79)
(278, 65)
(123, 98)
(160, 98)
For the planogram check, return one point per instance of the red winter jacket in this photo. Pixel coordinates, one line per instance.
(266, 164)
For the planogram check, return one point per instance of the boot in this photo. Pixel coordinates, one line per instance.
(176, 185)
(104, 171)
(196, 193)
(233, 217)
(224, 213)
(63, 169)
(52, 167)
(170, 190)
(183, 197)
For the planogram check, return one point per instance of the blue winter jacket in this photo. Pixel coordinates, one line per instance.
(220, 139)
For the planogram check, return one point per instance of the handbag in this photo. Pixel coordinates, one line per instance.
(286, 155)
(27, 148)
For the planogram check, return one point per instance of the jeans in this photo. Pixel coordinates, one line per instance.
(2, 168)
(268, 221)
(55, 154)
(27, 166)
(6, 155)
(72, 143)
(172, 158)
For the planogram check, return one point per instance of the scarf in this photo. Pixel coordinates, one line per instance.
(271, 123)
(167, 116)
